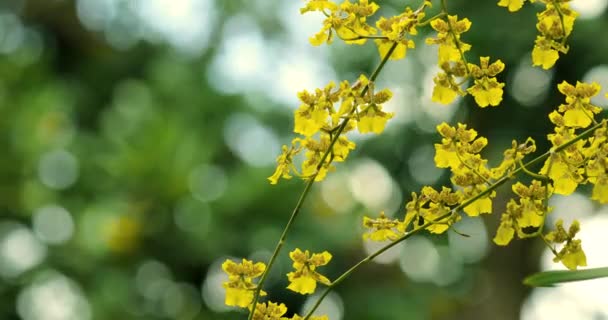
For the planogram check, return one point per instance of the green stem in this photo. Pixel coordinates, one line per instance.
(530, 173)
(380, 66)
(561, 19)
(281, 242)
(360, 37)
(461, 206)
(444, 8)
(549, 245)
(471, 168)
(356, 266)
(590, 116)
(439, 15)
(309, 183)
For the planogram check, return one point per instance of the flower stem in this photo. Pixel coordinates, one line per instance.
(557, 7)
(309, 183)
(360, 37)
(444, 9)
(532, 174)
(429, 20)
(461, 206)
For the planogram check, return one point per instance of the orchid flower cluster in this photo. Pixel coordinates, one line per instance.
(579, 152)
(555, 24)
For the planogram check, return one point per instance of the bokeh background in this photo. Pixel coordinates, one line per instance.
(137, 135)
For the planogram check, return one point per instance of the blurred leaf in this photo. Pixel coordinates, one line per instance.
(551, 278)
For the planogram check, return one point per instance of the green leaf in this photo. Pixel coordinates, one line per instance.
(550, 278)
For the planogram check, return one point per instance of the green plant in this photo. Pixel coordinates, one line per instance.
(578, 154)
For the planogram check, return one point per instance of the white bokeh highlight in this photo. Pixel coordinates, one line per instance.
(474, 244)
(529, 85)
(575, 300)
(421, 166)
(332, 306)
(372, 185)
(250, 140)
(58, 169)
(589, 9)
(53, 224)
(419, 259)
(207, 182)
(20, 250)
(52, 296)
(599, 74)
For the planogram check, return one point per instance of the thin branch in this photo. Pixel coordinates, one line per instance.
(309, 183)
(491, 188)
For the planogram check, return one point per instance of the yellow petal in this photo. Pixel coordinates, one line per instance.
(573, 260)
(563, 181)
(443, 95)
(378, 124)
(236, 297)
(302, 285)
(504, 234)
(365, 125)
(445, 158)
(483, 205)
(545, 58)
(600, 190)
(485, 97)
(385, 45)
(437, 228)
(512, 5)
(530, 219)
(448, 53)
(574, 255)
(576, 118)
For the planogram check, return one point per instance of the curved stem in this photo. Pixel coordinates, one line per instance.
(590, 116)
(471, 168)
(561, 20)
(439, 15)
(461, 206)
(549, 245)
(309, 183)
(532, 174)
